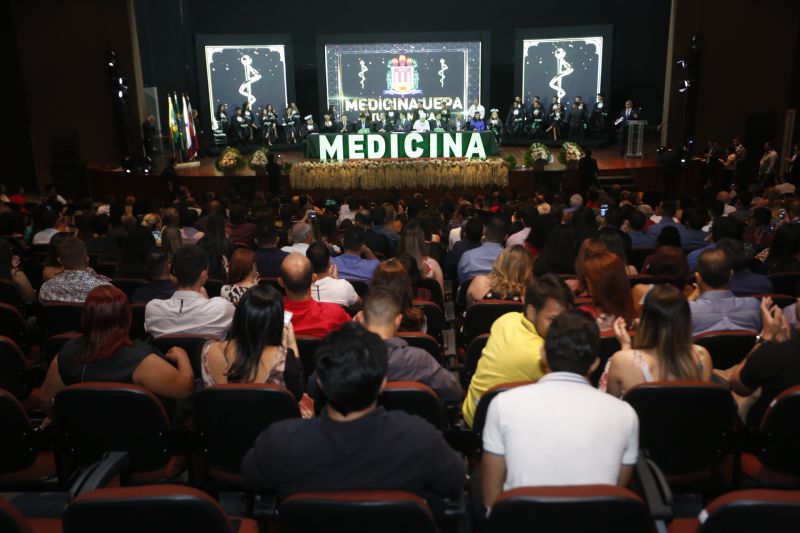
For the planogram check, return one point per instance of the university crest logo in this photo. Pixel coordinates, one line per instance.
(402, 77)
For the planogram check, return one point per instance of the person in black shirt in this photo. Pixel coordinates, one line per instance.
(161, 286)
(587, 171)
(772, 365)
(149, 133)
(353, 444)
(378, 243)
(268, 256)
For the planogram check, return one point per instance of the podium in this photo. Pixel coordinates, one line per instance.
(635, 138)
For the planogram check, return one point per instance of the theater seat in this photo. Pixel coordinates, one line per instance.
(227, 419)
(414, 398)
(685, 427)
(128, 285)
(96, 417)
(52, 345)
(356, 512)
(474, 352)
(11, 521)
(58, 318)
(775, 462)
(609, 345)
(746, 511)
(727, 348)
(424, 342)
(307, 345)
(22, 465)
(12, 323)
(137, 321)
(434, 288)
(10, 294)
(786, 282)
(361, 287)
(434, 318)
(213, 287)
(154, 508)
(13, 369)
(595, 508)
(193, 344)
(482, 314)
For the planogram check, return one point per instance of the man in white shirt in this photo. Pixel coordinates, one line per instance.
(768, 165)
(51, 222)
(189, 311)
(476, 107)
(560, 430)
(302, 237)
(422, 124)
(527, 214)
(325, 286)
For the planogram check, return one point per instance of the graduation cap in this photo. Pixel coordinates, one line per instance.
(494, 110)
(309, 117)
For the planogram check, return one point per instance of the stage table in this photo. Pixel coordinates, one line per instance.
(488, 140)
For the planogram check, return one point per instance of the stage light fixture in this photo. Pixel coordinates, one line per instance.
(682, 63)
(127, 165)
(112, 59)
(684, 86)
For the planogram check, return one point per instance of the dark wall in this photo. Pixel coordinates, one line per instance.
(167, 29)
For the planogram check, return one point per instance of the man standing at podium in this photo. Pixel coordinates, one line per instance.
(629, 113)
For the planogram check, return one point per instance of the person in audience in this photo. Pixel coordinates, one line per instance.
(481, 259)
(662, 349)
(326, 286)
(382, 218)
(258, 347)
(527, 215)
(772, 366)
(618, 243)
(511, 272)
(171, 239)
(723, 227)
(558, 254)
(188, 311)
(513, 351)
(161, 285)
(395, 276)
(242, 275)
(302, 237)
(543, 225)
(353, 444)
(744, 282)
(692, 233)
(639, 237)
(134, 250)
(309, 317)
(52, 223)
(471, 233)
(351, 264)
(52, 267)
(74, 283)
(217, 247)
(378, 242)
(100, 243)
(607, 284)
(667, 219)
(715, 307)
(668, 265)
(669, 236)
(784, 252)
(238, 229)
(268, 257)
(561, 430)
(190, 234)
(10, 271)
(383, 314)
(412, 242)
(105, 352)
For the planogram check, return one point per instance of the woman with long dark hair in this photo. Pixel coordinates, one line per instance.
(105, 352)
(258, 348)
(10, 272)
(661, 350)
(52, 267)
(784, 251)
(217, 247)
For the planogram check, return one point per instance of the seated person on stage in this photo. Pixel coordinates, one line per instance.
(516, 120)
(561, 430)
(716, 308)
(326, 287)
(327, 125)
(309, 127)
(363, 122)
(105, 352)
(495, 125)
(381, 125)
(438, 124)
(404, 123)
(476, 123)
(161, 285)
(421, 124)
(309, 317)
(268, 256)
(513, 352)
(76, 280)
(344, 126)
(458, 123)
(481, 259)
(188, 311)
(351, 264)
(537, 118)
(353, 444)
(382, 315)
(391, 119)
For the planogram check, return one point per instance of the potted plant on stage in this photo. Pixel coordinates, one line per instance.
(258, 162)
(537, 156)
(571, 153)
(230, 161)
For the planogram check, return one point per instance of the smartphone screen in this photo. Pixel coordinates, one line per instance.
(287, 318)
(157, 235)
(603, 210)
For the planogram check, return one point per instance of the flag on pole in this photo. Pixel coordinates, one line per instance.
(187, 139)
(171, 119)
(179, 129)
(192, 131)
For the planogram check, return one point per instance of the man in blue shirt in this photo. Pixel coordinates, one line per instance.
(480, 260)
(667, 212)
(692, 234)
(743, 282)
(639, 239)
(351, 264)
(717, 308)
(723, 227)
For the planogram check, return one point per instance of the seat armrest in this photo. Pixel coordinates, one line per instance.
(265, 506)
(657, 493)
(99, 474)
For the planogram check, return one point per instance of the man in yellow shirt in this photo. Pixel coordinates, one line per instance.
(513, 351)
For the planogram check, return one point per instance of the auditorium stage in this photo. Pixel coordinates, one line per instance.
(637, 173)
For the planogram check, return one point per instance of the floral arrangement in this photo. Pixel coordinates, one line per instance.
(538, 152)
(401, 173)
(230, 160)
(571, 151)
(258, 161)
(511, 162)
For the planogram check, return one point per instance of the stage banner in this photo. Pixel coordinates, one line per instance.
(341, 146)
(563, 67)
(397, 76)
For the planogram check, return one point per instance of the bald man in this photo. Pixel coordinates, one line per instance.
(309, 317)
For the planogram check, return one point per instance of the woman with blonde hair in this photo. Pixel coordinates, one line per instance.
(511, 272)
(662, 349)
